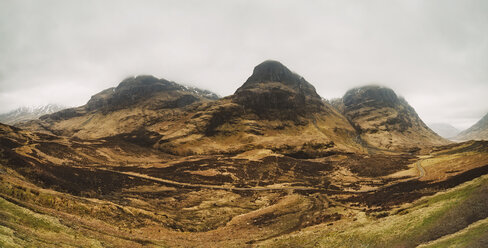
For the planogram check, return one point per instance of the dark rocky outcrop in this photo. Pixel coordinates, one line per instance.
(275, 92)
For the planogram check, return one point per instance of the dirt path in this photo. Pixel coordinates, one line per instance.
(420, 169)
(206, 186)
(258, 188)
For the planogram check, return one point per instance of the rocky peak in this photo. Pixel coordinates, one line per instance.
(275, 91)
(271, 71)
(370, 96)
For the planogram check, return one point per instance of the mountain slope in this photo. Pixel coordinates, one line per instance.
(385, 120)
(29, 113)
(445, 130)
(274, 109)
(135, 104)
(478, 131)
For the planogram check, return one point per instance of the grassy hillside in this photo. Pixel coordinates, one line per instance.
(429, 218)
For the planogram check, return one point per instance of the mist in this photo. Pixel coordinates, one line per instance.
(433, 53)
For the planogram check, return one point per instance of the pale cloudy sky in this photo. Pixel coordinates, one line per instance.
(432, 52)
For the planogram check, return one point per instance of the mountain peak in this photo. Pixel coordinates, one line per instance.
(371, 95)
(385, 120)
(273, 89)
(273, 71)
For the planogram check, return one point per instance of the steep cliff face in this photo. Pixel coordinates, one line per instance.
(479, 131)
(385, 120)
(274, 92)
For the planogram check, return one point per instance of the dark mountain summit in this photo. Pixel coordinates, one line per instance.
(370, 96)
(273, 91)
(274, 71)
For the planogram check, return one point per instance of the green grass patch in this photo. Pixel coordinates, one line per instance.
(469, 237)
(12, 213)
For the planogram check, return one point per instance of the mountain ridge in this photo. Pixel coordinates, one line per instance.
(25, 113)
(385, 120)
(479, 131)
(274, 109)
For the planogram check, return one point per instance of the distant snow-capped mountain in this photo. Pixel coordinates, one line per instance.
(29, 113)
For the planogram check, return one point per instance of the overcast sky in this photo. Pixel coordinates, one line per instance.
(434, 53)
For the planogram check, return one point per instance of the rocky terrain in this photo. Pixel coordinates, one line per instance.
(385, 120)
(479, 131)
(152, 163)
(29, 113)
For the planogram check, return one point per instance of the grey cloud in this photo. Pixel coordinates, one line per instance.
(435, 53)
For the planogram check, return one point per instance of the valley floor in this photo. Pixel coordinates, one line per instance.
(56, 192)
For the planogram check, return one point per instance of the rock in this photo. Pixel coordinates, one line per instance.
(274, 92)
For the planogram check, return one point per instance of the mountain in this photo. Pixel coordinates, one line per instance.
(273, 91)
(274, 109)
(116, 193)
(29, 113)
(445, 130)
(479, 131)
(153, 163)
(385, 120)
(136, 104)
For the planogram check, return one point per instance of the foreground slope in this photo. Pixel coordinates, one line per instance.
(385, 120)
(111, 192)
(479, 131)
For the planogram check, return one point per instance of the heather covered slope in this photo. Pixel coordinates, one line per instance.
(116, 193)
(133, 106)
(385, 120)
